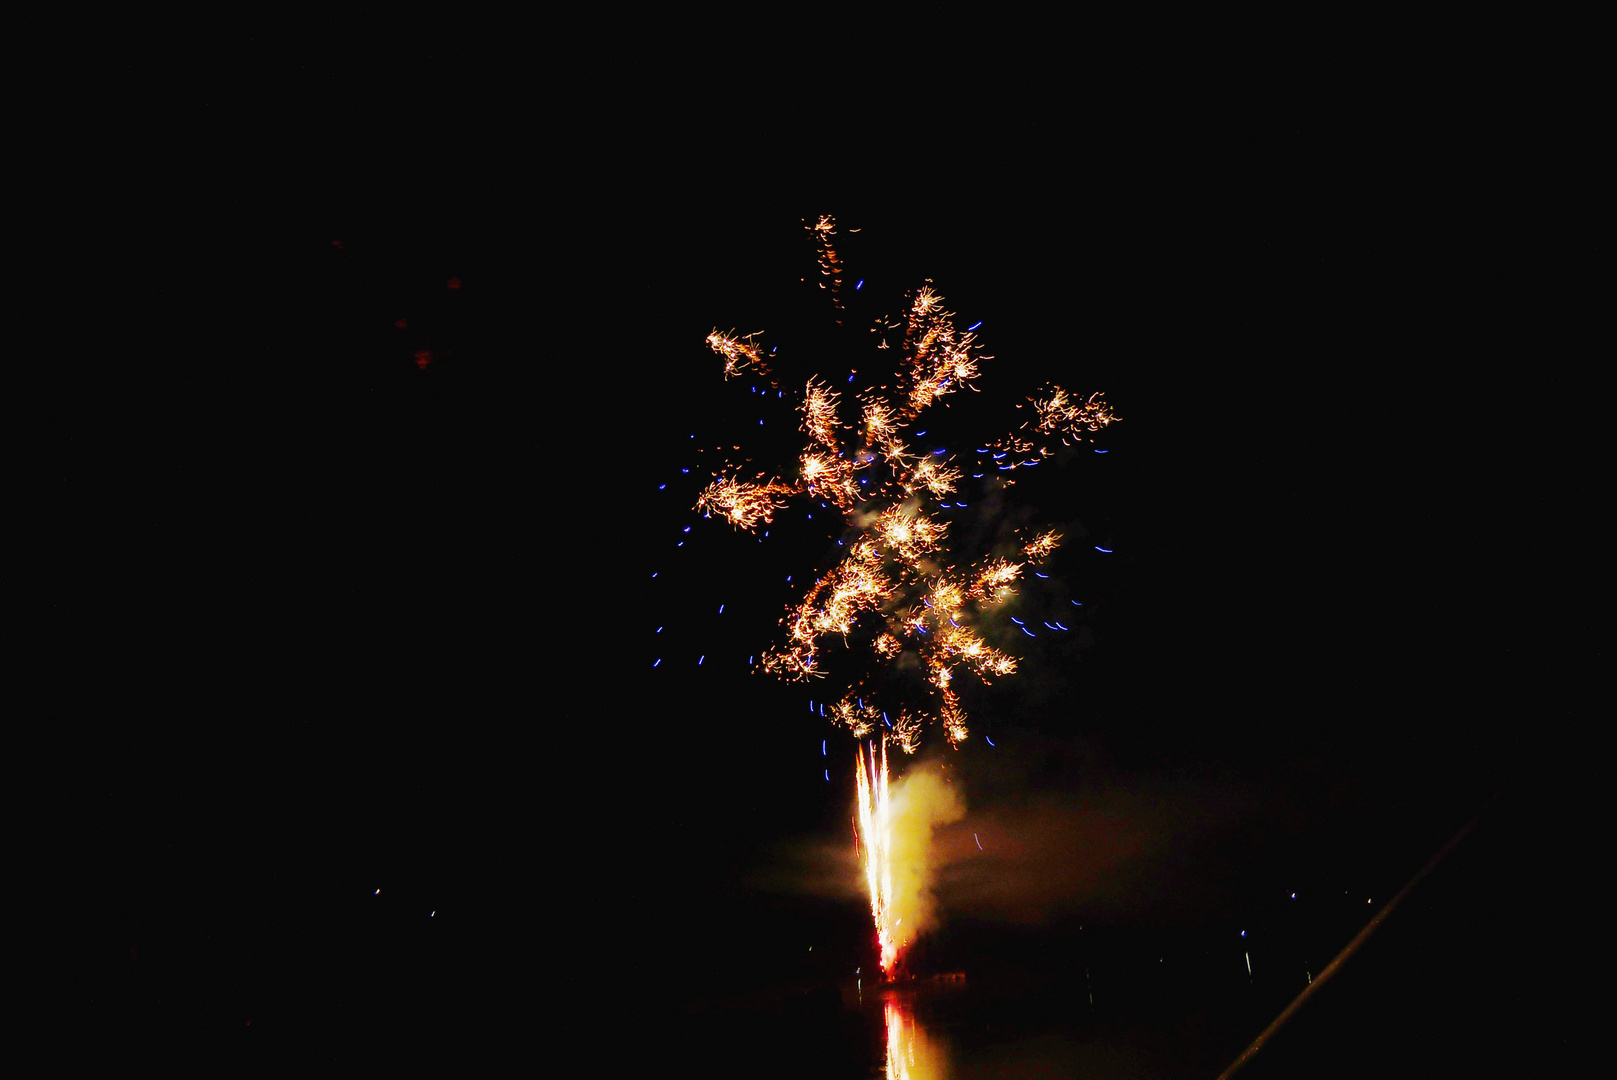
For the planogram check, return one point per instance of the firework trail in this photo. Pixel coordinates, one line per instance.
(824, 228)
(895, 595)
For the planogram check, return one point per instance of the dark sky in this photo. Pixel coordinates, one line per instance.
(406, 636)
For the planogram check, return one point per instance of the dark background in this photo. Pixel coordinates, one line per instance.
(380, 626)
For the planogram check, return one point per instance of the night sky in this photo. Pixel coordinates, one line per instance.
(390, 624)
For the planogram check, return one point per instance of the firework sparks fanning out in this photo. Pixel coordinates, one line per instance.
(740, 354)
(892, 593)
(1058, 414)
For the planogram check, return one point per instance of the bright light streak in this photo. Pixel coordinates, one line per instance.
(876, 837)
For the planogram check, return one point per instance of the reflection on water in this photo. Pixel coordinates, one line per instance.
(912, 1053)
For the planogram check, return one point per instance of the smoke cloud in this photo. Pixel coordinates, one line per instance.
(921, 801)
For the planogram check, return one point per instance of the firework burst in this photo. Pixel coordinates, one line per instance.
(894, 596)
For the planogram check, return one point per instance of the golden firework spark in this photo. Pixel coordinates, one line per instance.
(1059, 414)
(824, 228)
(740, 353)
(1040, 547)
(744, 505)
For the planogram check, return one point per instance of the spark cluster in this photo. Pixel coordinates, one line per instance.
(740, 353)
(894, 593)
(1061, 415)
